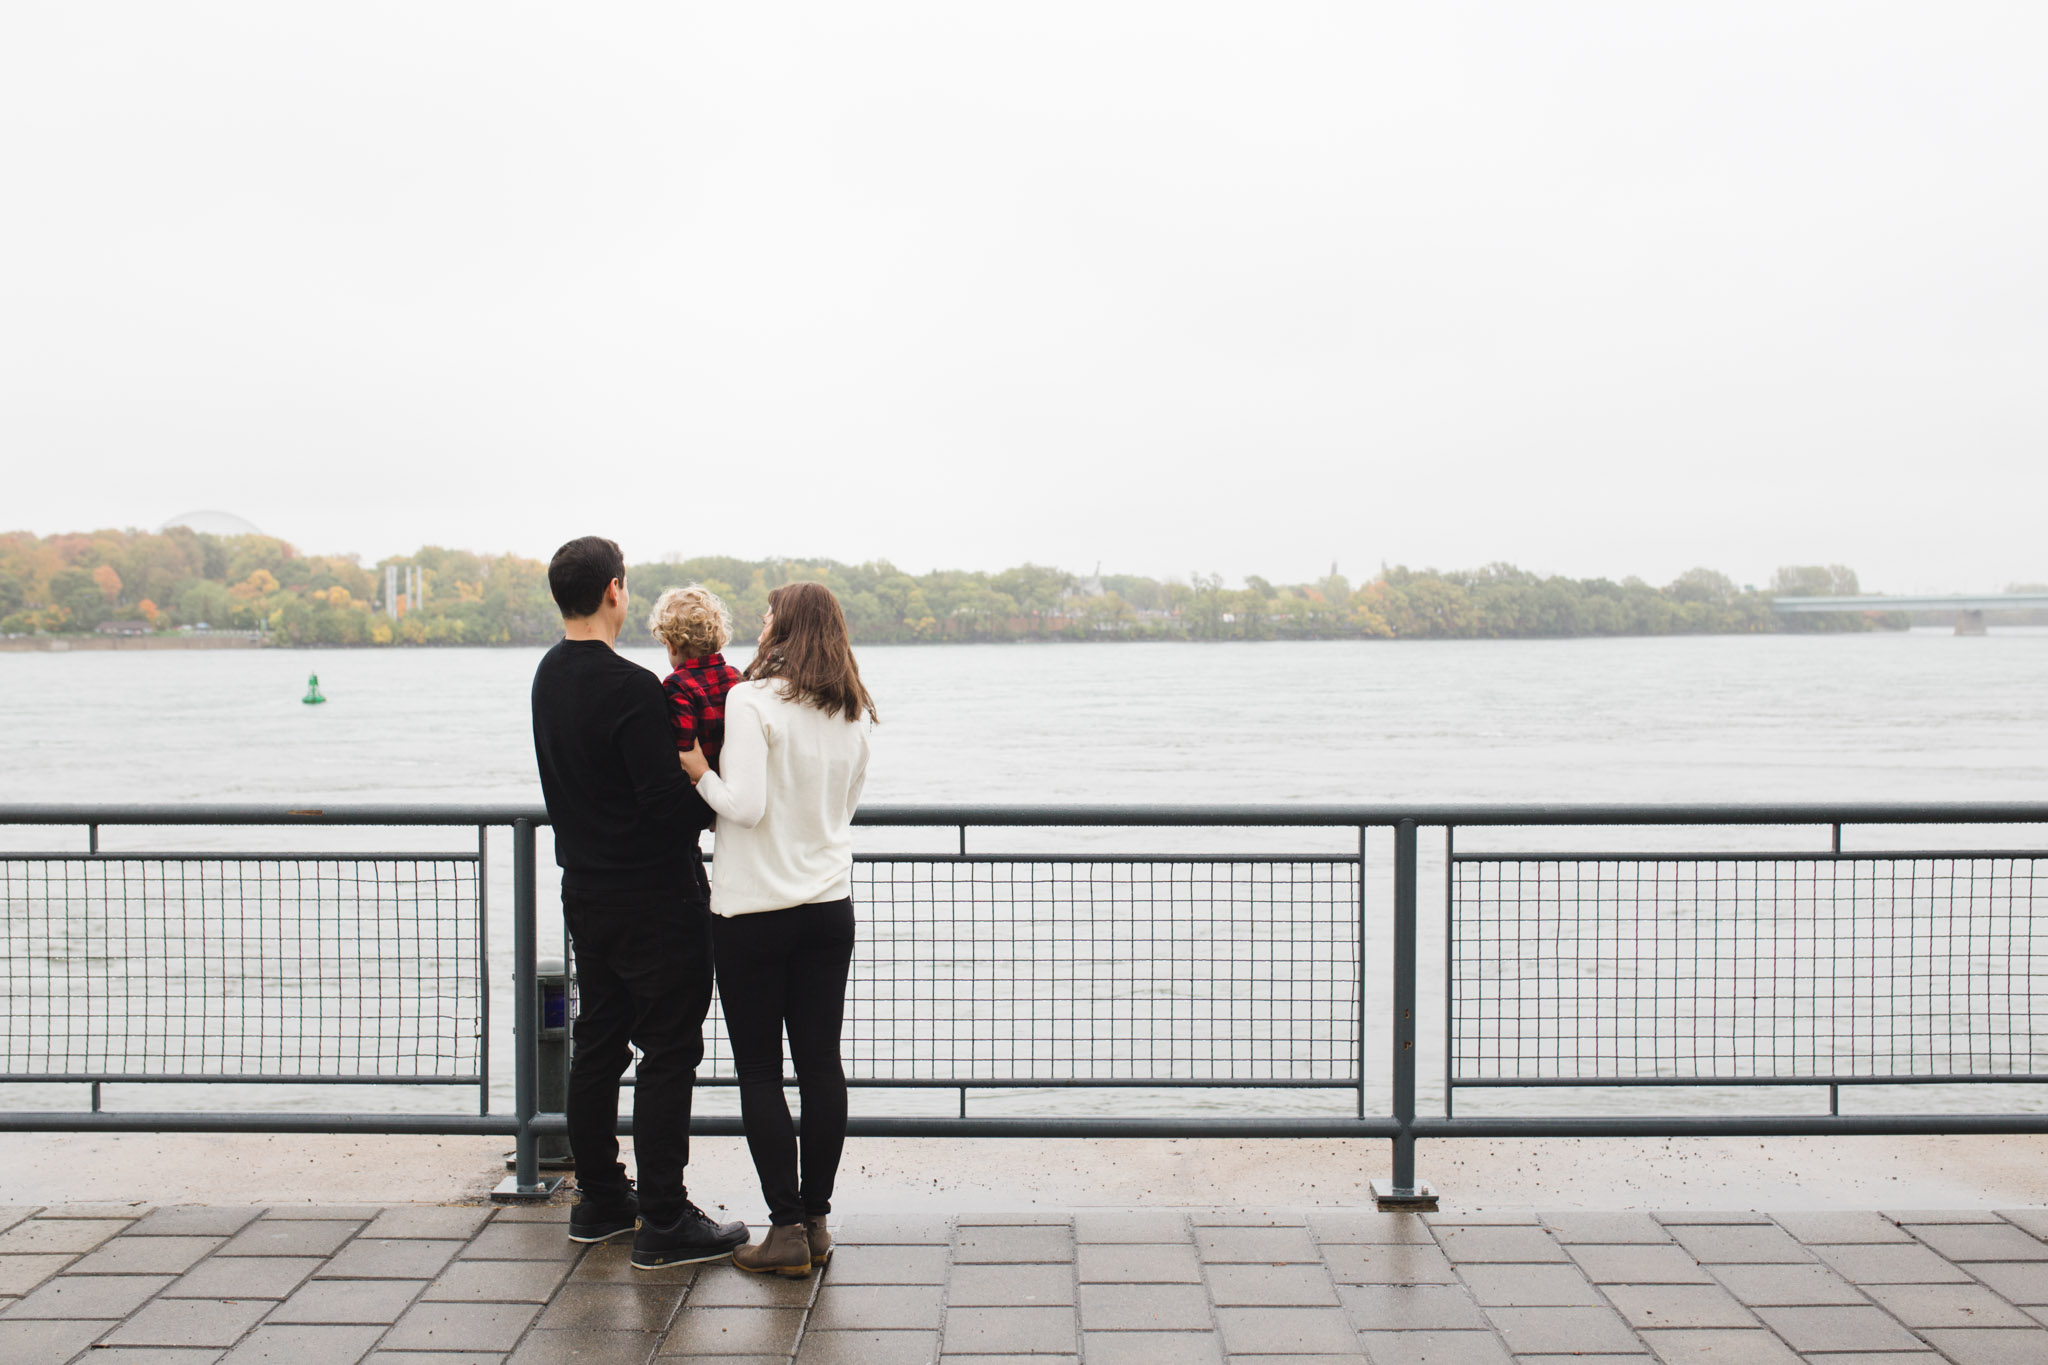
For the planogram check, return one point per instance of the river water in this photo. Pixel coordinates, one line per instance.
(1919, 716)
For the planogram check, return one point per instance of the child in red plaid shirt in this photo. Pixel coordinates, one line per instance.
(695, 626)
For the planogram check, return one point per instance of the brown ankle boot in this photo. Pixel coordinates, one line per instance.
(784, 1251)
(819, 1238)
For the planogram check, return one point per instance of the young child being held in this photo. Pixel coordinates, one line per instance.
(695, 626)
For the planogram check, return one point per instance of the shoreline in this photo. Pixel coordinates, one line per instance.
(74, 644)
(80, 644)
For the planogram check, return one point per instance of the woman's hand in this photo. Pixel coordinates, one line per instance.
(693, 762)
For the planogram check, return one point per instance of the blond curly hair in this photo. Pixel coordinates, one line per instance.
(691, 620)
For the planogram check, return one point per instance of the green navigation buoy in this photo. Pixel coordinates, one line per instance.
(313, 697)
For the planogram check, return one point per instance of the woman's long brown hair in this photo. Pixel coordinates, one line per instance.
(809, 650)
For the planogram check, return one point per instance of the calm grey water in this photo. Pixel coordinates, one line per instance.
(1922, 715)
(1918, 716)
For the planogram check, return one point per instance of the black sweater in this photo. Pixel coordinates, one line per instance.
(625, 815)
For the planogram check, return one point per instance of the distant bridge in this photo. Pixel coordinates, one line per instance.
(1968, 607)
(1982, 601)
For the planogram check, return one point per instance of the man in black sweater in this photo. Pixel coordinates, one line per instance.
(636, 903)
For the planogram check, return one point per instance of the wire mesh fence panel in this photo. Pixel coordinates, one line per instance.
(1735, 968)
(235, 968)
(1116, 971)
(1101, 971)
(1206, 971)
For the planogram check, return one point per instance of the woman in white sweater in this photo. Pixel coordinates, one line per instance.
(796, 753)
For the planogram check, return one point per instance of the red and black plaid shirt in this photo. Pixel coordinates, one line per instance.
(696, 703)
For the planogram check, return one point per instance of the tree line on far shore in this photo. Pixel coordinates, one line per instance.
(179, 579)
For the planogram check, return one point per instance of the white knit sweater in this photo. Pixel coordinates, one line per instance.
(788, 781)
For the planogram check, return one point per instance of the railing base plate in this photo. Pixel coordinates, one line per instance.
(510, 1191)
(1389, 1198)
(564, 1162)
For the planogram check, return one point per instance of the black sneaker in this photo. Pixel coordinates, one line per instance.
(691, 1237)
(603, 1214)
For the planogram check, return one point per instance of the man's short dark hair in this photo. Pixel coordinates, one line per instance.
(581, 571)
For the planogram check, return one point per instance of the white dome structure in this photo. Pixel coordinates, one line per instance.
(212, 523)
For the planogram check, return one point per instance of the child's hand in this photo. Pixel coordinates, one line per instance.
(693, 762)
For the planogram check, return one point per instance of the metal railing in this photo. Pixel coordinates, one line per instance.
(1050, 969)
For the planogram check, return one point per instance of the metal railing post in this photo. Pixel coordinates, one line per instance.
(1361, 1060)
(525, 1182)
(1402, 1192)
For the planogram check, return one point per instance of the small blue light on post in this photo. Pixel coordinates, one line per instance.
(554, 1002)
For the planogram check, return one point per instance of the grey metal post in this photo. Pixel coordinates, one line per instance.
(551, 984)
(1361, 1061)
(1402, 1192)
(525, 1183)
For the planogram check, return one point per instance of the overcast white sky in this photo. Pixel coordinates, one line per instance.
(1597, 288)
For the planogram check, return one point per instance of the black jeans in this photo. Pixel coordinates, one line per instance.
(643, 975)
(788, 968)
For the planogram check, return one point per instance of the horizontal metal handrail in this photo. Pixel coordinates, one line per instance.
(198, 814)
(1068, 1083)
(225, 1078)
(1797, 855)
(1263, 814)
(1733, 1125)
(1785, 1082)
(713, 1125)
(244, 855)
(728, 1125)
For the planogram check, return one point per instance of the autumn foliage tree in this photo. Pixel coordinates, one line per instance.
(182, 579)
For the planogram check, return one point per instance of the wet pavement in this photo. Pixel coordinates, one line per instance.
(424, 1284)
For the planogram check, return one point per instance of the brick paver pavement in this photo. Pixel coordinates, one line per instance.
(462, 1285)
